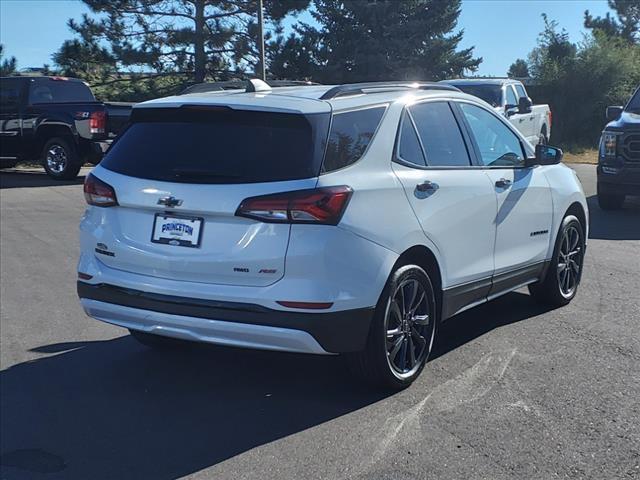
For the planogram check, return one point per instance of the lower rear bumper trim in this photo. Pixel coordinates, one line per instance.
(204, 330)
(335, 332)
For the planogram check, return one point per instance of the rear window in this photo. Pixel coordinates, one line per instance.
(350, 135)
(492, 94)
(219, 145)
(59, 91)
(10, 93)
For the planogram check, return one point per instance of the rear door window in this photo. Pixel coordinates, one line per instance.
(219, 145)
(350, 135)
(521, 91)
(440, 135)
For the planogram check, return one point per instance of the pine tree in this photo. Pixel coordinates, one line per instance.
(192, 38)
(626, 25)
(369, 40)
(7, 65)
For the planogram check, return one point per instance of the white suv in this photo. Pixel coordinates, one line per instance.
(348, 219)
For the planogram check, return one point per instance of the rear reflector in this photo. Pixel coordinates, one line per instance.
(84, 276)
(323, 206)
(99, 193)
(306, 305)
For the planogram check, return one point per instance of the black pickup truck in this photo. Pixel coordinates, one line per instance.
(56, 121)
(619, 157)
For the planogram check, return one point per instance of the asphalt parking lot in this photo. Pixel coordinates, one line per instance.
(514, 391)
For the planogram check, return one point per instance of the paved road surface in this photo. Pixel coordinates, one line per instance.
(514, 391)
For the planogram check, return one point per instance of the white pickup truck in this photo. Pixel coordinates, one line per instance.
(509, 98)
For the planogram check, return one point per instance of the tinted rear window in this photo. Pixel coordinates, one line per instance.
(220, 145)
(10, 93)
(59, 91)
(350, 135)
(492, 94)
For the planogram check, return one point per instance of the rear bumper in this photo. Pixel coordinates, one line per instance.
(227, 323)
(92, 151)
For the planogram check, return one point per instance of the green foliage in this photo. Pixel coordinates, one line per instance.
(7, 65)
(518, 69)
(626, 26)
(375, 40)
(580, 80)
(132, 46)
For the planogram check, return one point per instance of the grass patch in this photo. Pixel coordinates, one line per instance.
(589, 155)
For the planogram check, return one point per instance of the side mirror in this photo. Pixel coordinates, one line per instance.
(524, 105)
(510, 110)
(545, 155)
(613, 113)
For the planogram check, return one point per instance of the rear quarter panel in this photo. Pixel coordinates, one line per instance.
(378, 210)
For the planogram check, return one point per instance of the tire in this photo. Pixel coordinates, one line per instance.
(610, 201)
(379, 363)
(157, 341)
(560, 284)
(60, 159)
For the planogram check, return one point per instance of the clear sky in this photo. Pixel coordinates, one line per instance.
(501, 30)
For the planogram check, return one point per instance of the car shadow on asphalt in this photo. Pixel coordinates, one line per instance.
(467, 326)
(115, 409)
(621, 224)
(31, 179)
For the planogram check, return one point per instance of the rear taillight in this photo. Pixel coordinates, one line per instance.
(319, 205)
(98, 122)
(99, 193)
(550, 119)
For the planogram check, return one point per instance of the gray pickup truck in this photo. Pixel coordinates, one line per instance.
(57, 122)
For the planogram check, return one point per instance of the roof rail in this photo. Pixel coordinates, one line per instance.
(360, 88)
(239, 85)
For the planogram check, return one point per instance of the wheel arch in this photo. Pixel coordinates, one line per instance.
(46, 132)
(423, 257)
(577, 209)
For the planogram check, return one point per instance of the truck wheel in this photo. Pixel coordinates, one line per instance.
(60, 158)
(610, 201)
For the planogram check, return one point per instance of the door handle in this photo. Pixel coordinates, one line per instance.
(427, 186)
(503, 183)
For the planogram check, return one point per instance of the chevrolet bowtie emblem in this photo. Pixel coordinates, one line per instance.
(170, 201)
